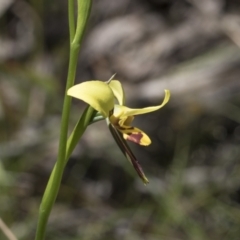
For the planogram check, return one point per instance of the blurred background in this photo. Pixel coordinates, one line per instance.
(188, 46)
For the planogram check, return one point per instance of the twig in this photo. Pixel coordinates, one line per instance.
(6, 230)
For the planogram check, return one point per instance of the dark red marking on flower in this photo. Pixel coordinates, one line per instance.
(135, 137)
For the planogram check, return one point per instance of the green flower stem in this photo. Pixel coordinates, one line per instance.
(49, 197)
(71, 19)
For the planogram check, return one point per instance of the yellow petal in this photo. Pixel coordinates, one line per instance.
(118, 91)
(125, 111)
(96, 93)
(126, 121)
(136, 135)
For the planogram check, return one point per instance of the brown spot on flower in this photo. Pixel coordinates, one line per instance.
(135, 137)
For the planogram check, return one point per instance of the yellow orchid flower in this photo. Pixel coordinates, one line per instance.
(101, 96)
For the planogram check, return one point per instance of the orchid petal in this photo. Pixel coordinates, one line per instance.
(118, 91)
(96, 93)
(135, 135)
(120, 111)
(126, 121)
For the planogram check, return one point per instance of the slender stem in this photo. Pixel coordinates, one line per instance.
(53, 185)
(71, 19)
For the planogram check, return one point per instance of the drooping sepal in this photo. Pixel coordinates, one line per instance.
(121, 142)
